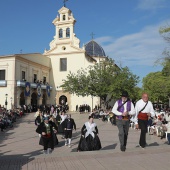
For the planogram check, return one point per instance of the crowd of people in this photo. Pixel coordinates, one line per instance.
(83, 108)
(123, 114)
(53, 120)
(142, 116)
(49, 124)
(9, 117)
(159, 124)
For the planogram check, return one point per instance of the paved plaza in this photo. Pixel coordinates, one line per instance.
(19, 149)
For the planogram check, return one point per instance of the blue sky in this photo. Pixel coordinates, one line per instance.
(128, 30)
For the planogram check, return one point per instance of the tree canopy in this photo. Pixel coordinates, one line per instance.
(157, 86)
(101, 80)
(165, 32)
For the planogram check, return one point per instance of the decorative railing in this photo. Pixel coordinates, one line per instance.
(21, 83)
(3, 83)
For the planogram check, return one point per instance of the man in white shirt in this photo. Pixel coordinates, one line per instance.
(143, 109)
(123, 109)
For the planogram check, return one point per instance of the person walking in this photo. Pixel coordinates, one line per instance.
(69, 124)
(123, 109)
(39, 119)
(89, 140)
(61, 126)
(143, 109)
(46, 129)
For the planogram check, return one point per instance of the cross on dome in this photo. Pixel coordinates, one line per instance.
(92, 35)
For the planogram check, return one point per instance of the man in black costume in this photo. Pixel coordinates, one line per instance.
(46, 129)
(69, 124)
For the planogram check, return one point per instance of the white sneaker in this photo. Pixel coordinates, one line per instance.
(48, 151)
(69, 146)
(66, 144)
(45, 151)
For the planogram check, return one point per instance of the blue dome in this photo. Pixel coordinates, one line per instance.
(94, 50)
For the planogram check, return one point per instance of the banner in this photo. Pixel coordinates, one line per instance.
(39, 90)
(27, 89)
(48, 91)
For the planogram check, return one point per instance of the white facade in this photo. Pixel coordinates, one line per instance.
(64, 55)
(15, 66)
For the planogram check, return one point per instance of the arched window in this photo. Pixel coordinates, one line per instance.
(64, 17)
(60, 33)
(68, 32)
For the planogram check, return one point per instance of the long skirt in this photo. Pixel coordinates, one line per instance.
(61, 128)
(89, 143)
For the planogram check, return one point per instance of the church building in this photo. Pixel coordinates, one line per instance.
(35, 78)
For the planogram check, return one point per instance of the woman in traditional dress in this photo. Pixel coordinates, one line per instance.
(53, 122)
(39, 119)
(61, 126)
(89, 140)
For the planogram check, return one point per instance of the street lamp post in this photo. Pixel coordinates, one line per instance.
(6, 102)
(11, 102)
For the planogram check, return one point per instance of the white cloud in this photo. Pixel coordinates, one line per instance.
(151, 4)
(142, 48)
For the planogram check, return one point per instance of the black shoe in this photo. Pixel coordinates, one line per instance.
(163, 136)
(142, 146)
(123, 148)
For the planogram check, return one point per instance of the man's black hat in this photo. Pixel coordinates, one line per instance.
(124, 94)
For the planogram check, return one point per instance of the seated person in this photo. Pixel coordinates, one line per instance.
(101, 114)
(2, 125)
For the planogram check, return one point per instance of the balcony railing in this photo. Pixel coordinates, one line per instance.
(3, 83)
(21, 83)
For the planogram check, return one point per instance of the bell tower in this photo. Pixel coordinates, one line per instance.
(64, 29)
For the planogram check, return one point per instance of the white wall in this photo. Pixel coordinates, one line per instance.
(8, 64)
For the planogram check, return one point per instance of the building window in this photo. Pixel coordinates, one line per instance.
(60, 33)
(2, 74)
(68, 32)
(35, 78)
(63, 64)
(23, 75)
(64, 17)
(44, 80)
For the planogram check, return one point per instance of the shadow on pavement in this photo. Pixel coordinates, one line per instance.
(109, 147)
(17, 161)
(154, 144)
